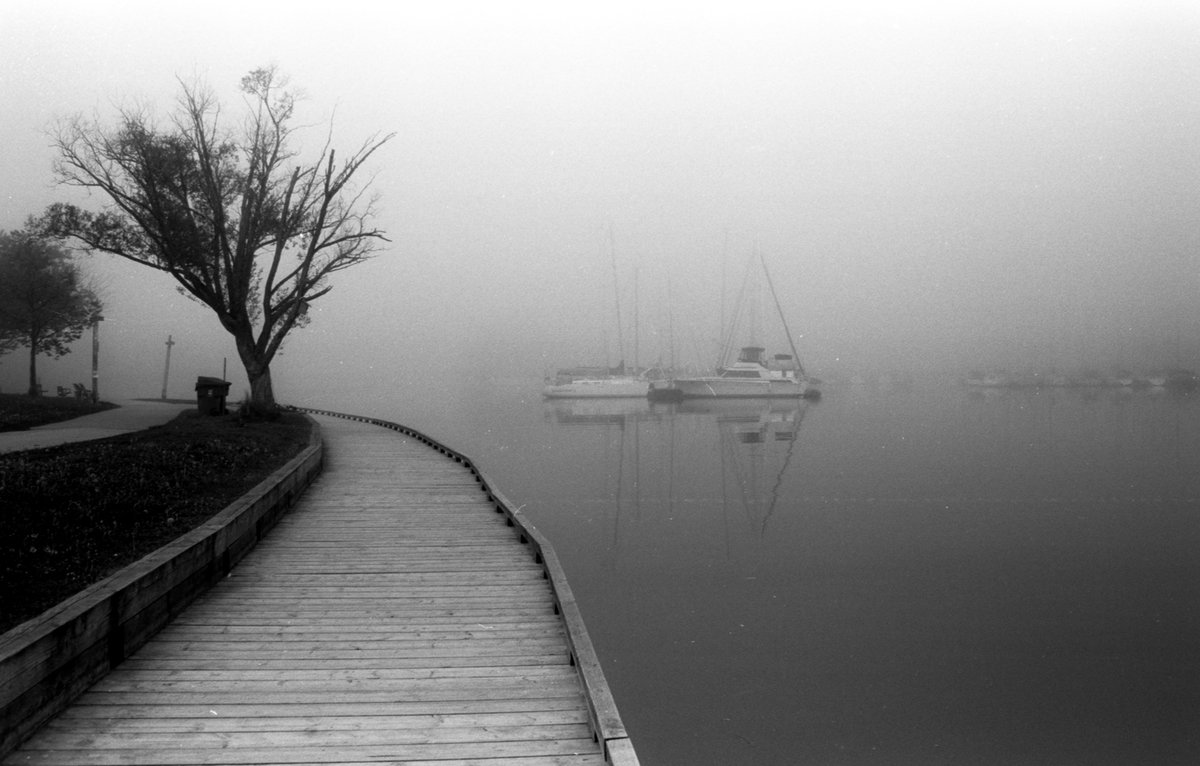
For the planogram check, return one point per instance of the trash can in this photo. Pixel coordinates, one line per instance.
(210, 395)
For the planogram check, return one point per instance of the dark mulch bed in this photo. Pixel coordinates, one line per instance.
(19, 412)
(76, 513)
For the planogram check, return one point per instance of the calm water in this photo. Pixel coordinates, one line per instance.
(904, 577)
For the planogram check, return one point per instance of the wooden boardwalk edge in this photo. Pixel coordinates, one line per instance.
(48, 661)
(605, 720)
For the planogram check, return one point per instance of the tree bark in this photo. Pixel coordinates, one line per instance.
(258, 372)
(261, 391)
(33, 384)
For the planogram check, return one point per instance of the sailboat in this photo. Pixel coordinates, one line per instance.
(753, 375)
(615, 384)
(601, 383)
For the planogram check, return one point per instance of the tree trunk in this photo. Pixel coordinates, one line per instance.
(261, 392)
(258, 372)
(33, 384)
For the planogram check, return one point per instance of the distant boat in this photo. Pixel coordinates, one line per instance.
(751, 376)
(598, 387)
(603, 383)
(1086, 379)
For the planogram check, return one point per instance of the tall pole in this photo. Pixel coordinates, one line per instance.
(167, 369)
(96, 358)
(722, 329)
(635, 321)
(612, 251)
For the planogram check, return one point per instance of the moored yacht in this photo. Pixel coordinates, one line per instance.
(752, 375)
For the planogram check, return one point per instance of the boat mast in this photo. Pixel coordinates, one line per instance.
(791, 343)
(731, 332)
(635, 320)
(612, 250)
(670, 328)
(723, 328)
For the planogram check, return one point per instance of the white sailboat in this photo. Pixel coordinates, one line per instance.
(597, 387)
(611, 383)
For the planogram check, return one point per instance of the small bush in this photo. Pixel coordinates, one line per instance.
(253, 412)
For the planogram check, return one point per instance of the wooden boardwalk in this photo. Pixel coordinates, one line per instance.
(392, 617)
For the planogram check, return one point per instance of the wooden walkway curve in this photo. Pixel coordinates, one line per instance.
(392, 617)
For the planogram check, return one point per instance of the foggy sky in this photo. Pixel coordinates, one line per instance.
(935, 187)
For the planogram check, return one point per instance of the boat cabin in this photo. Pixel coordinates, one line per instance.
(752, 355)
(752, 363)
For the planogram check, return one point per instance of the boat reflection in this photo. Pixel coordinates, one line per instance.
(585, 412)
(751, 421)
(758, 439)
(725, 465)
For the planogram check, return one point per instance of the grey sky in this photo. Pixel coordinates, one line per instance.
(934, 185)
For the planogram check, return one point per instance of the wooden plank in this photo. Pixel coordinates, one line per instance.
(284, 662)
(302, 584)
(317, 631)
(406, 753)
(331, 675)
(414, 684)
(375, 633)
(366, 650)
(396, 709)
(319, 736)
(131, 724)
(252, 620)
(440, 690)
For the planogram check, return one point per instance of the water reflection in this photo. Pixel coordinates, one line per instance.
(605, 412)
(930, 575)
(693, 458)
(758, 442)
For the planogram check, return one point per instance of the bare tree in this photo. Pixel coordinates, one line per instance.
(44, 304)
(237, 219)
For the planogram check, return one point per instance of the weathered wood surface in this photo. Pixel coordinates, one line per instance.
(392, 617)
(48, 661)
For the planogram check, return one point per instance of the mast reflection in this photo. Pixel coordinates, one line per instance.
(758, 444)
(693, 465)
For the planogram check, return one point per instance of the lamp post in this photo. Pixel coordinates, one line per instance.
(167, 369)
(96, 358)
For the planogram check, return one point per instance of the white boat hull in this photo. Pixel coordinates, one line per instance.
(598, 388)
(715, 387)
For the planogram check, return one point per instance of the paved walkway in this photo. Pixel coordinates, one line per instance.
(391, 617)
(128, 415)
